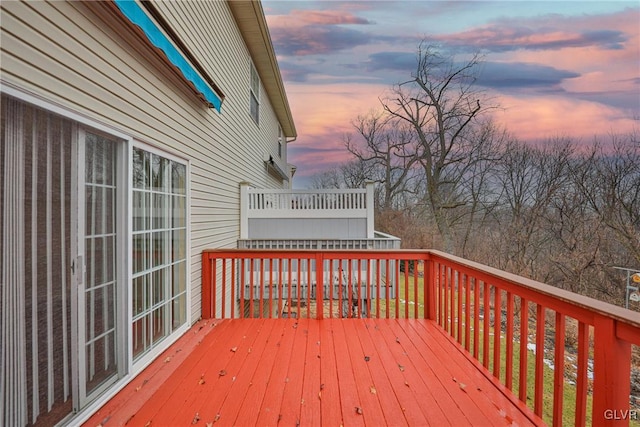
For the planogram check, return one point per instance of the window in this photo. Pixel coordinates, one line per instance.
(254, 95)
(279, 141)
(159, 249)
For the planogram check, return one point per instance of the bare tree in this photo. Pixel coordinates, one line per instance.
(387, 147)
(530, 179)
(353, 174)
(441, 105)
(613, 189)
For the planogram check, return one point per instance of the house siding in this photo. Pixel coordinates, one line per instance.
(86, 58)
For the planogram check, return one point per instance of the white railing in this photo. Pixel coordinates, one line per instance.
(296, 200)
(259, 203)
(380, 241)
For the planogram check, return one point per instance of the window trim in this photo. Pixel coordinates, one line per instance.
(254, 93)
(138, 365)
(280, 141)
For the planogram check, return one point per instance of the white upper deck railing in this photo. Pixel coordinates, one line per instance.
(309, 204)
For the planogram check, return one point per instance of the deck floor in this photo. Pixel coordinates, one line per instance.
(329, 372)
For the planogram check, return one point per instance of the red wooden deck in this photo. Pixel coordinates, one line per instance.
(309, 372)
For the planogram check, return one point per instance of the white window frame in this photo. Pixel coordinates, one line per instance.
(146, 359)
(254, 93)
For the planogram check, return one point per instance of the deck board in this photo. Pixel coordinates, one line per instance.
(458, 384)
(270, 408)
(311, 372)
(349, 399)
(329, 386)
(389, 352)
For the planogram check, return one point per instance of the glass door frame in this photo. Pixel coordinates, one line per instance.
(81, 397)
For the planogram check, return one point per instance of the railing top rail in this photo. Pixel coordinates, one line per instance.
(600, 307)
(304, 192)
(486, 273)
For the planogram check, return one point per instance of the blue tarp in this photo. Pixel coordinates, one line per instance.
(136, 15)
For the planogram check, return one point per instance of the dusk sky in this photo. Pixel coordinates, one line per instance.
(556, 69)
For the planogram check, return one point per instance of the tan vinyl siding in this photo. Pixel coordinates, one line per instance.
(87, 59)
(209, 20)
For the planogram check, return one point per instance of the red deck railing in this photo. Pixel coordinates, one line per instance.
(503, 322)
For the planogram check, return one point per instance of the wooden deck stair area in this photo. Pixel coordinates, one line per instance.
(308, 372)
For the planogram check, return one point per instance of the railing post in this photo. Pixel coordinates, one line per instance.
(206, 286)
(319, 286)
(430, 289)
(369, 202)
(611, 379)
(244, 210)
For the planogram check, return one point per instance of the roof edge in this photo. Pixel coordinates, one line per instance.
(249, 17)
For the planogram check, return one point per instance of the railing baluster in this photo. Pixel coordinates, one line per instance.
(214, 294)
(524, 340)
(459, 292)
(453, 276)
(539, 379)
(289, 286)
(581, 374)
(558, 369)
(417, 265)
(224, 287)
(280, 288)
(350, 290)
(377, 289)
(509, 343)
(339, 265)
(486, 312)
(359, 289)
(233, 287)
(476, 318)
(497, 330)
(467, 313)
(309, 287)
(241, 287)
(331, 276)
(369, 288)
(406, 289)
(387, 288)
(437, 277)
(319, 285)
(396, 282)
(270, 305)
(261, 279)
(251, 281)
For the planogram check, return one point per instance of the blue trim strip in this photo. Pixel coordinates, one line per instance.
(136, 15)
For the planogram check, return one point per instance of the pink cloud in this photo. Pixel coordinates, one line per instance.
(539, 118)
(302, 18)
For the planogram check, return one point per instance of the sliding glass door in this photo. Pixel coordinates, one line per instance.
(62, 264)
(72, 319)
(99, 302)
